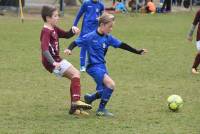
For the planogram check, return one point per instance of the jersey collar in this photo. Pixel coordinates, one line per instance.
(99, 33)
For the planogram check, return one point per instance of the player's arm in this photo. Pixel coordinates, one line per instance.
(127, 47)
(195, 22)
(69, 49)
(65, 34)
(50, 59)
(69, 34)
(80, 42)
(191, 31)
(79, 14)
(72, 46)
(119, 44)
(45, 49)
(48, 56)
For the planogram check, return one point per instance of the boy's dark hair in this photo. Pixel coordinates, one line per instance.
(47, 11)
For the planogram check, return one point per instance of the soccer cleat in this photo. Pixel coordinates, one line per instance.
(87, 99)
(79, 104)
(104, 112)
(84, 112)
(74, 111)
(194, 71)
(82, 69)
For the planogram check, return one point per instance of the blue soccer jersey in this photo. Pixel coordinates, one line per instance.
(97, 45)
(91, 10)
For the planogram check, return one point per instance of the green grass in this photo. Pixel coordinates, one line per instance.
(32, 101)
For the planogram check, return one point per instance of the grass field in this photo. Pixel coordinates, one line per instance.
(32, 101)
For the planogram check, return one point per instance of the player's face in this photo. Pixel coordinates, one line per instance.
(53, 20)
(107, 28)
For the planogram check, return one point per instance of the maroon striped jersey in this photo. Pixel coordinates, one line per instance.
(50, 41)
(195, 22)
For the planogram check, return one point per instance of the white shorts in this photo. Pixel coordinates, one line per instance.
(64, 65)
(198, 45)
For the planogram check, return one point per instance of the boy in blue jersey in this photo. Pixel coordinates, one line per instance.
(92, 10)
(96, 43)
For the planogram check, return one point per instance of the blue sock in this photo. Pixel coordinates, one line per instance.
(107, 92)
(96, 95)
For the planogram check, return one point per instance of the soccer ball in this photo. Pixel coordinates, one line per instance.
(175, 102)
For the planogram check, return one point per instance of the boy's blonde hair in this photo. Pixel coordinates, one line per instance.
(106, 18)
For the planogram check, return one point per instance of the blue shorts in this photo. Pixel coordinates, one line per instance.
(97, 72)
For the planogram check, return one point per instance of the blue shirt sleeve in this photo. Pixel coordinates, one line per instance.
(80, 13)
(81, 41)
(112, 41)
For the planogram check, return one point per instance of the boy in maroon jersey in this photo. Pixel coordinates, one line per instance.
(52, 61)
(197, 58)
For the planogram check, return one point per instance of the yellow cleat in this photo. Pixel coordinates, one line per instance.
(78, 112)
(84, 112)
(81, 105)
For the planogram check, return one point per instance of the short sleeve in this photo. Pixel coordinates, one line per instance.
(81, 41)
(112, 41)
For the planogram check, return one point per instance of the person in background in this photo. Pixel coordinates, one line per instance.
(91, 10)
(166, 6)
(150, 7)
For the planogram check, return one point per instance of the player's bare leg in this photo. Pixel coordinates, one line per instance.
(196, 63)
(110, 86)
(77, 106)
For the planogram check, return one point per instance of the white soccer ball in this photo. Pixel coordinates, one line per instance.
(175, 102)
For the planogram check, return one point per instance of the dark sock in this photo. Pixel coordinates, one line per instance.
(107, 92)
(96, 95)
(196, 61)
(75, 89)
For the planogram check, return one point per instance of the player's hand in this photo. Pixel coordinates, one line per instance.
(144, 51)
(75, 30)
(56, 65)
(67, 51)
(189, 38)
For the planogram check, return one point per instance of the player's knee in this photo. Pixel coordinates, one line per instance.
(111, 85)
(76, 74)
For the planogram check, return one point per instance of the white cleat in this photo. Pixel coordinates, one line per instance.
(83, 69)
